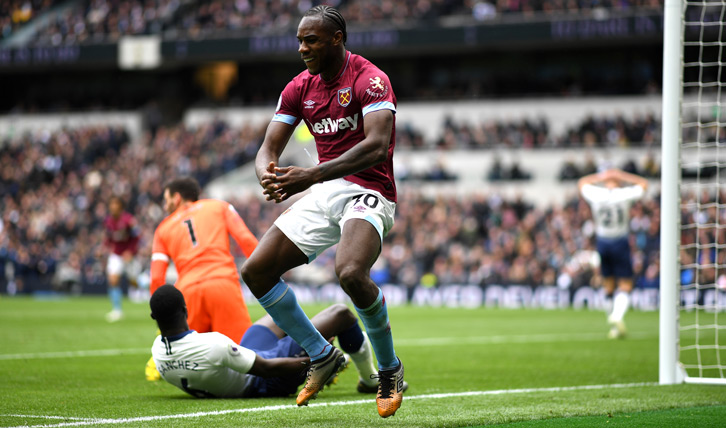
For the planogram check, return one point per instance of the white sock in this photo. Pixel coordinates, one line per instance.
(363, 360)
(620, 306)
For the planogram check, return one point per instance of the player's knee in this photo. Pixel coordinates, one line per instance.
(250, 273)
(351, 277)
(244, 272)
(342, 314)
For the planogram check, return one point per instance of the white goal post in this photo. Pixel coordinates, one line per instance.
(693, 194)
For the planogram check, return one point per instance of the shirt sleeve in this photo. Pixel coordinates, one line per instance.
(288, 106)
(634, 192)
(373, 89)
(107, 239)
(226, 353)
(592, 193)
(134, 234)
(239, 230)
(159, 262)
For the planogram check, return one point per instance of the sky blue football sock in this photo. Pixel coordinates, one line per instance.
(115, 294)
(375, 318)
(351, 339)
(280, 302)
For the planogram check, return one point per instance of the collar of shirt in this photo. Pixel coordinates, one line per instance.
(342, 70)
(176, 337)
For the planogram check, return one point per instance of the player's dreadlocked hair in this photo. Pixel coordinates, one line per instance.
(331, 17)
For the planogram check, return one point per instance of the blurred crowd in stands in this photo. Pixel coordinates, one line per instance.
(15, 13)
(703, 237)
(97, 21)
(107, 20)
(648, 167)
(592, 131)
(55, 188)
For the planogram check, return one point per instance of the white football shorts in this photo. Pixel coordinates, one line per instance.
(314, 223)
(117, 266)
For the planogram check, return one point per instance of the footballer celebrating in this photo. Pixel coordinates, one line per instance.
(348, 105)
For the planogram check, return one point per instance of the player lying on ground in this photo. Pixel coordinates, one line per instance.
(267, 363)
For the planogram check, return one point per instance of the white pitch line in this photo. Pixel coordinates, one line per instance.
(72, 354)
(46, 417)
(429, 341)
(120, 421)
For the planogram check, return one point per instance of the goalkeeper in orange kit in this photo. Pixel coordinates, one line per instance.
(195, 236)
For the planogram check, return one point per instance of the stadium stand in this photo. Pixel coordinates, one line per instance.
(482, 173)
(16, 13)
(103, 21)
(592, 131)
(54, 203)
(67, 175)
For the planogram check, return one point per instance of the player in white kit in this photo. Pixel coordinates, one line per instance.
(610, 195)
(266, 363)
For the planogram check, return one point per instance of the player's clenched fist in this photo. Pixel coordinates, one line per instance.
(268, 181)
(291, 180)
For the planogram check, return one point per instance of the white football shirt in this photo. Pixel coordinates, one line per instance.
(204, 364)
(611, 208)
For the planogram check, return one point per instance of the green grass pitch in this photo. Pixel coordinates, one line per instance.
(61, 364)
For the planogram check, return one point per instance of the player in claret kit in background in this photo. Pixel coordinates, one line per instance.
(122, 239)
(348, 105)
(610, 203)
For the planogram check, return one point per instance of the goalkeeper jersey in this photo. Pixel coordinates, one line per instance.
(204, 364)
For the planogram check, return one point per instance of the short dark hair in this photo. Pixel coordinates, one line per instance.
(187, 187)
(331, 18)
(168, 307)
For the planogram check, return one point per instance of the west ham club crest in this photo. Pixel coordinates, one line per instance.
(344, 96)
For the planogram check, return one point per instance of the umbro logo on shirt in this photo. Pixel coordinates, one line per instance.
(309, 104)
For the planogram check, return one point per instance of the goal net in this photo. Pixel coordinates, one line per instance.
(697, 207)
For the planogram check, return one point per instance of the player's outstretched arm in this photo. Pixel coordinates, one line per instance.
(371, 151)
(279, 367)
(276, 138)
(239, 231)
(159, 263)
(158, 272)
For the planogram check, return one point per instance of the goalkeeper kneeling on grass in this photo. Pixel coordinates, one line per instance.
(266, 363)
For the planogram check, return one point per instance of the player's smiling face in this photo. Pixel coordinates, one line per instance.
(319, 47)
